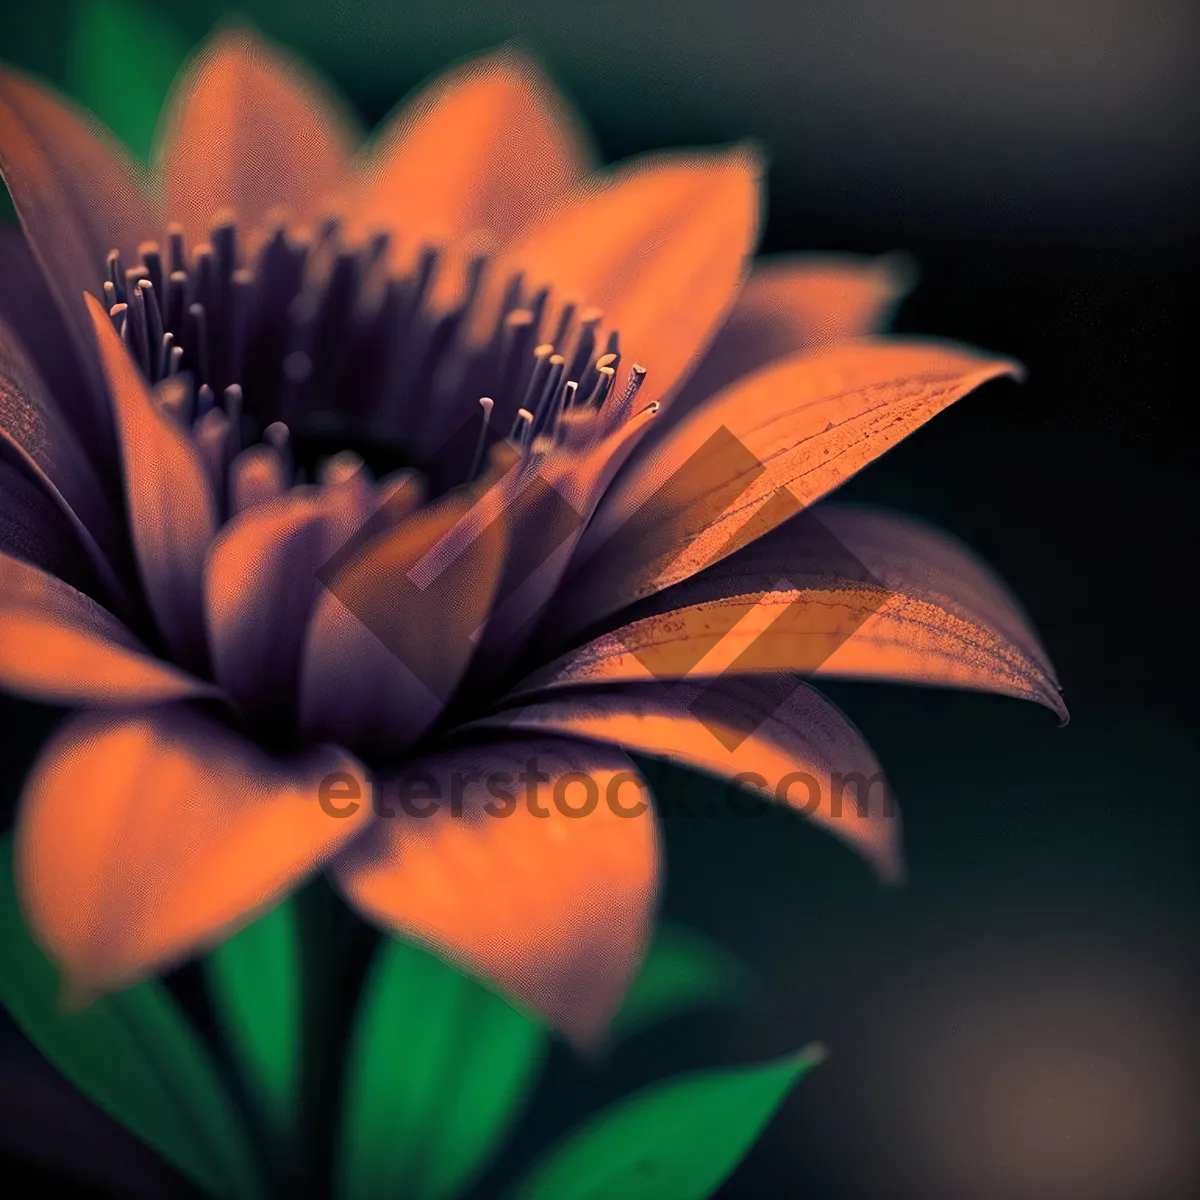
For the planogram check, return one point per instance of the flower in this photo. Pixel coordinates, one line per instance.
(204, 378)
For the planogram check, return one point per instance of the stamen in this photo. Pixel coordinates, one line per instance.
(486, 403)
(586, 342)
(175, 244)
(564, 324)
(115, 275)
(154, 327)
(514, 352)
(211, 434)
(340, 468)
(278, 321)
(521, 430)
(197, 339)
(256, 476)
(550, 390)
(600, 389)
(633, 385)
(152, 260)
(224, 247)
(241, 294)
(175, 397)
(133, 276)
(565, 400)
(135, 316)
(177, 283)
(233, 404)
(201, 275)
(165, 353)
(278, 435)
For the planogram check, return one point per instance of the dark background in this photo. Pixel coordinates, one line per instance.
(1019, 1019)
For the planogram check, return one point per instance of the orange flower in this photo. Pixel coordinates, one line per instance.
(272, 319)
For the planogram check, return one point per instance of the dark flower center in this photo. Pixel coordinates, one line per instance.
(302, 346)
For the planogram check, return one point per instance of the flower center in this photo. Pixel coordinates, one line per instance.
(284, 347)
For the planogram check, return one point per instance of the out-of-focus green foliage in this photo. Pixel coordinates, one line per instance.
(121, 56)
(680, 1139)
(134, 1054)
(255, 986)
(682, 971)
(438, 1069)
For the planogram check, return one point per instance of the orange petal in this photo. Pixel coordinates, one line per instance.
(393, 633)
(660, 245)
(840, 592)
(486, 148)
(58, 645)
(171, 510)
(78, 196)
(553, 907)
(793, 303)
(261, 586)
(775, 737)
(754, 455)
(144, 839)
(247, 129)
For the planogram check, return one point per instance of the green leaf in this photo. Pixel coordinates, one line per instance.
(121, 58)
(133, 1054)
(255, 987)
(438, 1070)
(681, 1139)
(683, 970)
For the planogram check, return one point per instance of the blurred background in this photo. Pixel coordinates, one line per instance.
(1019, 1019)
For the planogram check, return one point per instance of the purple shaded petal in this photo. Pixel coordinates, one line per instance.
(773, 736)
(78, 196)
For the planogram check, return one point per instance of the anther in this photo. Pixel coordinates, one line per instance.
(521, 429)
(599, 393)
(116, 275)
(633, 385)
